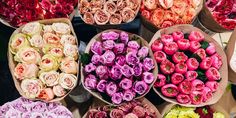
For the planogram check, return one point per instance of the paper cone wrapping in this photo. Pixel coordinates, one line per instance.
(12, 63)
(223, 70)
(143, 101)
(87, 50)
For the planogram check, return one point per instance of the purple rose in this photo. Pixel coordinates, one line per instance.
(115, 72)
(119, 48)
(25, 100)
(148, 77)
(89, 68)
(101, 71)
(148, 64)
(53, 105)
(101, 86)
(140, 87)
(90, 82)
(116, 113)
(111, 88)
(125, 83)
(26, 115)
(117, 98)
(135, 51)
(111, 35)
(120, 60)
(108, 57)
(36, 115)
(62, 111)
(133, 45)
(95, 59)
(128, 95)
(12, 113)
(127, 71)
(5, 108)
(124, 37)
(131, 58)
(96, 48)
(50, 115)
(39, 107)
(19, 106)
(143, 52)
(108, 44)
(138, 69)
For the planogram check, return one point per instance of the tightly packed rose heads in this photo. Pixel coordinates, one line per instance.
(25, 108)
(223, 11)
(19, 12)
(189, 67)
(121, 67)
(46, 60)
(166, 13)
(112, 12)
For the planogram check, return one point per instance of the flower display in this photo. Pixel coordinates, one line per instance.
(25, 108)
(166, 13)
(121, 67)
(18, 13)
(190, 74)
(103, 12)
(46, 61)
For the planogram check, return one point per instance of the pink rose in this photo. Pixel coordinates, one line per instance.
(210, 50)
(148, 64)
(128, 95)
(58, 90)
(130, 115)
(127, 71)
(124, 37)
(140, 87)
(90, 82)
(161, 81)
(133, 45)
(120, 60)
(115, 72)
(126, 83)
(111, 35)
(212, 74)
(197, 85)
(213, 85)
(217, 61)
(101, 71)
(116, 113)
(119, 48)
(132, 59)
(207, 94)
(108, 44)
(23, 70)
(143, 52)
(117, 98)
(95, 59)
(111, 88)
(139, 111)
(89, 68)
(138, 69)
(101, 86)
(148, 77)
(108, 57)
(96, 48)
(100, 114)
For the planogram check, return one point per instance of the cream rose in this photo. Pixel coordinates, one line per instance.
(59, 91)
(27, 55)
(23, 71)
(61, 28)
(48, 63)
(47, 29)
(56, 52)
(32, 28)
(46, 94)
(50, 38)
(69, 66)
(68, 39)
(31, 87)
(67, 81)
(71, 51)
(37, 41)
(49, 78)
(18, 41)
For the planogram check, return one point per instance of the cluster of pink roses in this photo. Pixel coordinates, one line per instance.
(120, 67)
(133, 109)
(188, 67)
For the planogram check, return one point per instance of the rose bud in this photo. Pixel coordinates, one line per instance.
(116, 113)
(108, 44)
(120, 60)
(191, 75)
(148, 77)
(166, 38)
(119, 48)
(138, 69)
(117, 98)
(207, 94)
(101, 86)
(133, 45)
(183, 44)
(140, 87)
(111, 35)
(177, 35)
(130, 115)
(124, 37)
(179, 57)
(125, 83)
(201, 53)
(108, 57)
(170, 48)
(127, 71)
(161, 81)
(212, 74)
(95, 59)
(181, 68)
(213, 85)
(211, 49)
(131, 58)
(128, 95)
(169, 90)
(206, 63)
(197, 85)
(89, 68)
(111, 88)
(157, 45)
(183, 99)
(46, 94)
(176, 78)
(196, 36)
(192, 64)
(167, 67)
(101, 71)
(96, 48)
(194, 45)
(139, 111)
(196, 97)
(216, 61)
(143, 52)
(159, 56)
(185, 87)
(90, 82)
(148, 64)
(115, 72)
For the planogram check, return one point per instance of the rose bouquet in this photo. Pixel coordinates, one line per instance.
(25, 108)
(133, 109)
(166, 13)
(113, 12)
(191, 66)
(120, 67)
(43, 59)
(19, 12)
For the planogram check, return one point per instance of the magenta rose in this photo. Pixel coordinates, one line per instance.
(127, 71)
(116, 113)
(95, 59)
(120, 60)
(124, 37)
(111, 35)
(140, 87)
(101, 86)
(108, 44)
(139, 111)
(128, 95)
(96, 48)
(148, 77)
(119, 48)
(89, 68)
(143, 52)
(90, 82)
(101, 71)
(133, 45)
(117, 98)
(138, 69)
(108, 57)
(111, 88)
(115, 72)
(125, 83)
(148, 64)
(132, 59)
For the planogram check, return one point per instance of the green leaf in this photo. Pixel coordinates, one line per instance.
(168, 79)
(201, 75)
(196, 56)
(204, 44)
(228, 88)
(85, 58)
(136, 38)
(186, 35)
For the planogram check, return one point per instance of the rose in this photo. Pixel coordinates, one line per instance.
(31, 87)
(67, 81)
(100, 114)
(49, 78)
(125, 83)
(191, 75)
(201, 53)
(59, 91)
(71, 51)
(37, 41)
(111, 88)
(178, 35)
(111, 35)
(52, 39)
(119, 48)
(101, 86)
(212, 74)
(196, 36)
(157, 45)
(126, 107)
(170, 90)
(90, 82)
(12, 113)
(17, 105)
(46, 94)
(130, 115)
(32, 28)
(117, 98)
(131, 58)
(167, 67)
(62, 111)
(68, 39)
(194, 46)
(95, 59)
(139, 111)
(161, 81)
(170, 48)
(89, 68)
(192, 64)
(176, 78)
(159, 56)
(61, 28)
(124, 37)
(27, 55)
(148, 77)
(140, 87)
(39, 107)
(183, 44)
(69, 66)
(115, 72)
(206, 63)
(197, 85)
(116, 113)
(213, 85)
(108, 44)
(138, 69)
(183, 99)
(148, 64)
(217, 61)
(120, 60)
(127, 71)
(181, 68)
(133, 45)
(128, 95)
(108, 57)
(196, 97)
(210, 50)
(22, 71)
(166, 38)
(102, 71)
(47, 28)
(143, 52)
(207, 94)
(96, 48)
(179, 57)
(56, 52)
(48, 63)
(18, 41)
